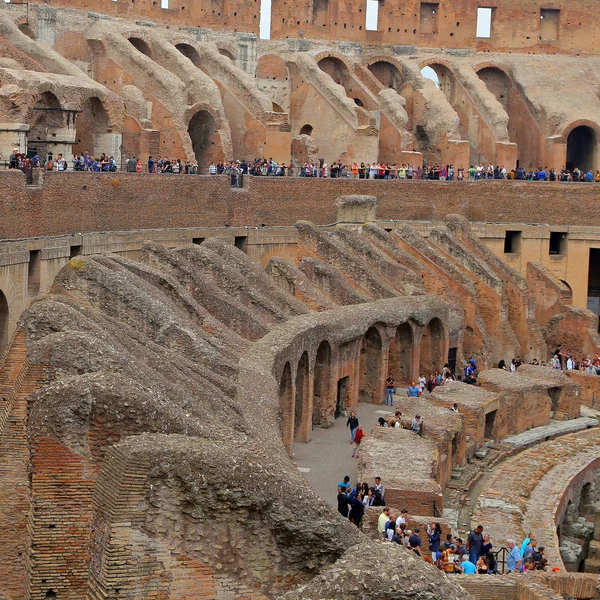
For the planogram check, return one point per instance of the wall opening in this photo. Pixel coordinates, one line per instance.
(484, 22)
(322, 402)
(512, 242)
(189, 52)
(452, 352)
(593, 296)
(198, 240)
(75, 251)
(431, 357)
(164, 3)
(371, 385)
(490, 419)
(227, 54)
(91, 126)
(202, 133)
(51, 594)
(241, 242)
(47, 125)
(264, 27)
(4, 314)
(306, 129)
(558, 242)
(26, 29)
(549, 19)
(302, 429)
(496, 82)
(400, 354)
(387, 74)
(343, 396)
(444, 77)
(372, 15)
(554, 394)
(429, 73)
(320, 13)
(429, 17)
(286, 409)
(34, 269)
(140, 45)
(581, 148)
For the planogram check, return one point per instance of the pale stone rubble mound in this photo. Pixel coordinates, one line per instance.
(376, 570)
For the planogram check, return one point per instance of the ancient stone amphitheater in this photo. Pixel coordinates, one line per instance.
(168, 342)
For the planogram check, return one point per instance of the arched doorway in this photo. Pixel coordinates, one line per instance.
(388, 75)
(140, 45)
(400, 353)
(323, 402)
(432, 348)
(202, 132)
(189, 52)
(47, 124)
(302, 424)
(445, 79)
(371, 385)
(306, 129)
(335, 68)
(286, 412)
(3, 322)
(581, 148)
(91, 124)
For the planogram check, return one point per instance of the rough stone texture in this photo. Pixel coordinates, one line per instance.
(379, 570)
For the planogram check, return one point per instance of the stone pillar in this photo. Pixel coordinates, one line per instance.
(305, 429)
(356, 210)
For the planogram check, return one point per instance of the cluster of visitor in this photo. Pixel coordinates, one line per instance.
(353, 501)
(396, 421)
(559, 361)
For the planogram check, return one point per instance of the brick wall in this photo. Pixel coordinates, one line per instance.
(84, 202)
(489, 587)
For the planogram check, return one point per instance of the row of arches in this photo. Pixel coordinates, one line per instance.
(314, 395)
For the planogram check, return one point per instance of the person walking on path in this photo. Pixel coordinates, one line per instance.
(390, 383)
(352, 422)
(360, 434)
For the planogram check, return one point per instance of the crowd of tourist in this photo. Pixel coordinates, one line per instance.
(268, 167)
(561, 362)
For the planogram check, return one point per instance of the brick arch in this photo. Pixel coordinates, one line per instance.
(328, 54)
(492, 64)
(112, 104)
(580, 123)
(140, 42)
(428, 62)
(271, 66)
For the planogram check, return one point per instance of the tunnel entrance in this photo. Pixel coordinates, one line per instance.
(343, 396)
(581, 148)
(202, 133)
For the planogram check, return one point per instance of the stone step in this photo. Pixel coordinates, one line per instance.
(546, 432)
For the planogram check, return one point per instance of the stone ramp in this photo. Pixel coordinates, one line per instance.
(554, 429)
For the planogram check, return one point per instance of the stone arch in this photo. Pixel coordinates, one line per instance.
(370, 387)
(286, 407)
(4, 316)
(431, 356)
(271, 66)
(445, 76)
(400, 354)
(227, 53)
(140, 45)
(497, 82)
(47, 121)
(302, 413)
(335, 67)
(323, 401)
(189, 52)
(388, 74)
(582, 148)
(203, 134)
(92, 123)
(26, 29)
(306, 129)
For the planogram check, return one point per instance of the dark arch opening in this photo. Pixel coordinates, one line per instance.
(335, 68)
(26, 29)
(358, 102)
(189, 52)
(324, 402)
(581, 148)
(202, 133)
(302, 425)
(140, 45)
(51, 594)
(306, 129)
(46, 119)
(226, 53)
(286, 408)
(387, 74)
(371, 384)
(91, 123)
(3, 321)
